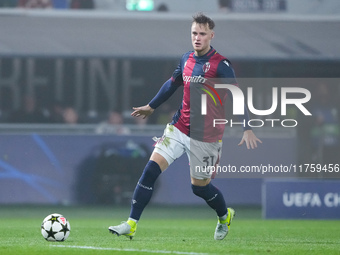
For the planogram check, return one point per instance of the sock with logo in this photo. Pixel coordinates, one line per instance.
(144, 189)
(213, 197)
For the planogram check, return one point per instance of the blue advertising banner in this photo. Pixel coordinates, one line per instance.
(104, 169)
(309, 199)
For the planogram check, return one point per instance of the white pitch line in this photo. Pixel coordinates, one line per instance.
(127, 250)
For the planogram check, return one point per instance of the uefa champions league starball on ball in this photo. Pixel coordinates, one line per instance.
(55, 228)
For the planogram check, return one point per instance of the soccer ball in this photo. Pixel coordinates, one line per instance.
(55, 227)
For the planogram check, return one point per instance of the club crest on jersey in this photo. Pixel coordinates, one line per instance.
(206, 67)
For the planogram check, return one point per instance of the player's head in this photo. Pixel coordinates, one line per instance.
(201, 33)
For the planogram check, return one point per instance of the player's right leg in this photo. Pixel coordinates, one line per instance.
(141, 197)
(126, 228)
(167, 149)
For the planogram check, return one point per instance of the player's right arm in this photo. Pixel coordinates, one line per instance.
(144, 111)
(165, 92)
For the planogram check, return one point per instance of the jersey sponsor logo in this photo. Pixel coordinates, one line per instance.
(206, 67)
(194, 79)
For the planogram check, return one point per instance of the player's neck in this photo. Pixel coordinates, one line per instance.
(202, 53)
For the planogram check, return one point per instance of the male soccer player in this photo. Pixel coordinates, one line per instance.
(190, 131)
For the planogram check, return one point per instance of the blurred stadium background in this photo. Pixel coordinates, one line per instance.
(70, 72)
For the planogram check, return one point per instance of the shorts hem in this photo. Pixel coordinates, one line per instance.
(165, 155)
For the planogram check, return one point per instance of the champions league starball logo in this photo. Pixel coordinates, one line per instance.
(239, 103)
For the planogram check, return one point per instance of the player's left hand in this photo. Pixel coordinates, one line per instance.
(250, 139)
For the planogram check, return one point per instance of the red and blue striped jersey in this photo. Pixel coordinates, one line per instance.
(198, 74)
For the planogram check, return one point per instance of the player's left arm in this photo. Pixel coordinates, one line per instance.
(249, 138)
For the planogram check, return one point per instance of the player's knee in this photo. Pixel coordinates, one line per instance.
(150, 173)
(160, 160)
(200, 182)
(200, 191)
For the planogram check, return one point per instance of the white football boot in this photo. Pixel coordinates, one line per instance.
(126, 228)
(222, 228)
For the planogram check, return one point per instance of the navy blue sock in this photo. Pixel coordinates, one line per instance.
(212, 196)
(144, 189)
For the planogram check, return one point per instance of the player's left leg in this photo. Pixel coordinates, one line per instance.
(208, 155)
(214, 198)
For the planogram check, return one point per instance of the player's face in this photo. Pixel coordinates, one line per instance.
(201, 36)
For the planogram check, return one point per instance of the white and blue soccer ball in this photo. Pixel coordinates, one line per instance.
(55, 228)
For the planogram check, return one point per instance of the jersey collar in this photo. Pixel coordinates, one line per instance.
(206, 55)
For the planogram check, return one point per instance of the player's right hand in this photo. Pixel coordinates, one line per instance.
(144, 111)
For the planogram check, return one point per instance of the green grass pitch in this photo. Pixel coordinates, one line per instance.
(179, 230)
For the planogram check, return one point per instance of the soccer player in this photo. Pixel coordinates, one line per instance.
(190, 131)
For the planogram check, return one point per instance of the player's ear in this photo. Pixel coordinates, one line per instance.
(212, 34)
